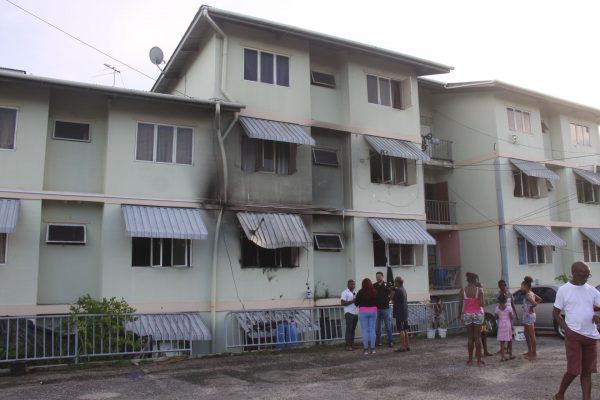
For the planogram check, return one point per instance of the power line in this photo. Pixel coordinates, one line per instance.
(122, 63)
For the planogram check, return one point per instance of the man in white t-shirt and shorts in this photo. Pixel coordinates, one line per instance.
(350, 313)
(576, 299)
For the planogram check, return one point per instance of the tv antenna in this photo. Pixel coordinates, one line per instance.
(115, 72)
(157, 57)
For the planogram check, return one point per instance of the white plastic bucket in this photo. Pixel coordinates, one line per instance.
(442, 332)
(430, 333)
(519, 332)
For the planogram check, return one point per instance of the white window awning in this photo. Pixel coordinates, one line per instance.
(277, 131)
(534, 169)
(591, 233)
(396, 148)
(181, 326)
(9, 213)
(539, 235)
(588, 176)
(400, 231)
(164, 222)
(274, 231)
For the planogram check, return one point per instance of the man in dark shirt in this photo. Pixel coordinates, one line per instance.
(401, 312)
(383, 310)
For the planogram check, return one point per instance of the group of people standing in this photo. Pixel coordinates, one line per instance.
(371, 306)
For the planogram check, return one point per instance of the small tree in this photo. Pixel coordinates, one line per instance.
(103, 331)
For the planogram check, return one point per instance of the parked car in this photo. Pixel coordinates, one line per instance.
(544, 321)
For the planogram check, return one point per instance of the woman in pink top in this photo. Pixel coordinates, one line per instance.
(472, 316)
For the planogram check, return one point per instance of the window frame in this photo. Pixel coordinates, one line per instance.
(527, 185)
(72, 121)
(378, 79)
(260, 156)
(581, 188)
(325, 149)
(333, 249)
(393, 169)
(317, 82)
(515, 112)
(535, 253)
(48, 241)
(5, 261)
(188, 254)
(585, 130)
(155, 143)
(17, 112)
(276, 253)
(587, 251)
(258, 66)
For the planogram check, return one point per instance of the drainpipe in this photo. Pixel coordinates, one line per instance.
(223, 36)
(501, 222)
(221, 141)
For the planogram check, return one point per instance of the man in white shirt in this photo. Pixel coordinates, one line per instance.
(576, 299)
(350, 313)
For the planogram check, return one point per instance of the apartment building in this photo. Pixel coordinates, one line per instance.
(180, 204)
(523, 182)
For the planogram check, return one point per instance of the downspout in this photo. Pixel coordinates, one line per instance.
(224, 51)
(501, 222)
(221, 141)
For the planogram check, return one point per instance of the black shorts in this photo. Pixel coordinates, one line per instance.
(401, 324)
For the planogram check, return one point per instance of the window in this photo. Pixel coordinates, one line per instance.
(77, 131)
(587, 193)
(260, 66)
(328, 241)
(392, 170)
(254, 256)
(530, 254)
(386, 92)
(580, 135)
(518, 121)
(591, 252)
(3, 248)
(398, 254)
(529, 186)
(164, 143)
(65, 234)
(322, 79)
(323, 156)
(8, 128)
(157, 252)
(268, 156)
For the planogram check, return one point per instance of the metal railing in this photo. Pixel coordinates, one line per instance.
(444, 278)
(295, 327)
(47, 337)
(439, 149)
(440, 212)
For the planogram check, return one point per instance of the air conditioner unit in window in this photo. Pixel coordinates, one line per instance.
(66, 234)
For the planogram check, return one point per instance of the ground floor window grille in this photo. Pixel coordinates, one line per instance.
(161, 252)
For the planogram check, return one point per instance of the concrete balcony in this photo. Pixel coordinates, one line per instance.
(440, 212)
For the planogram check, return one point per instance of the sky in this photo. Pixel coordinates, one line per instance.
(549, 46)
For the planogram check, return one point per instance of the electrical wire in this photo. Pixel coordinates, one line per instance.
(122, 63)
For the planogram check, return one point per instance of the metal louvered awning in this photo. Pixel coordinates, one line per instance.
(274, 231)
(181, 326)
(9, 213)
(400, 231)
(261, 324)
(588, 176)
(396, 148)
(277, 131)
(591, 233)
(164, 222)
(534, 169)
(539, 235)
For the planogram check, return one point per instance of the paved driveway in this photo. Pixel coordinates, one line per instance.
(432, 370)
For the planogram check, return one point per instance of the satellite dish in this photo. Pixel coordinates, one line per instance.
(156, 55)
